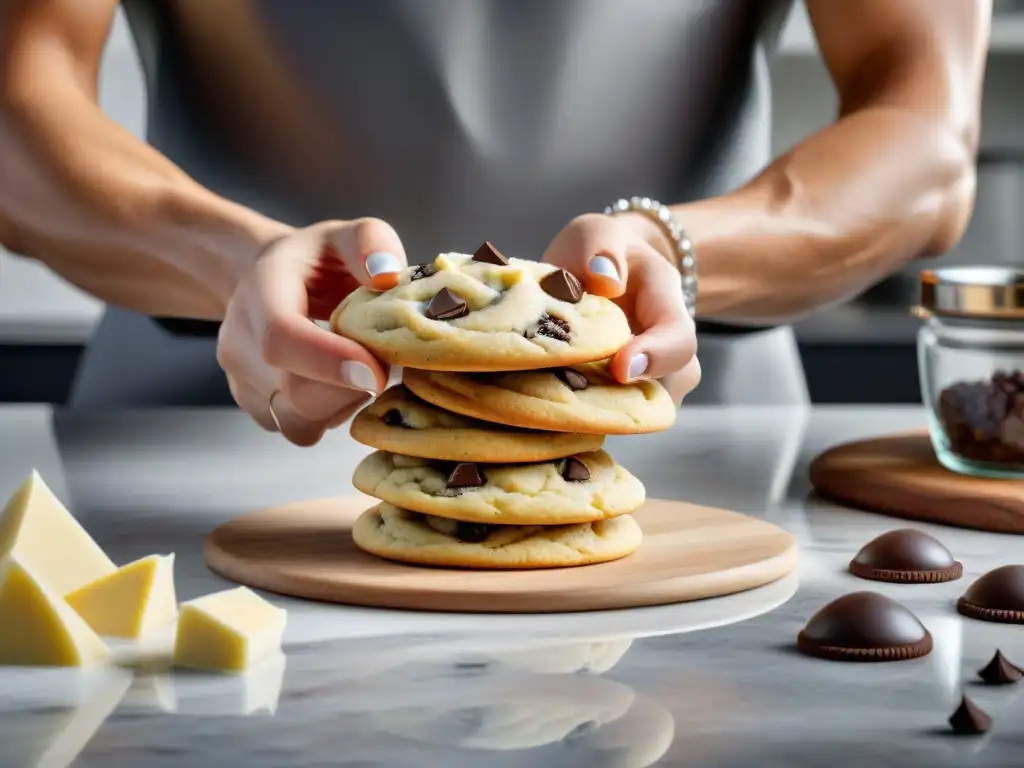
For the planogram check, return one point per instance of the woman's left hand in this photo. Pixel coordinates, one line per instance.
(613, 258)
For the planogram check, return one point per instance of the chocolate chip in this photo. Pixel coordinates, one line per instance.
(423, 270)
(984, 420)
(1000, 671)
(553, 327)
(488, 254)
(575, 471)
(472, 533)
(446, 306)
(465, 475)
(574, 380)
(996, 596)
(969, 718)
(865, 626)
(563, 286)
(393, 418)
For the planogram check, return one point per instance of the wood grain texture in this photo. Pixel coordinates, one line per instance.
(899, 475)
(689, 553)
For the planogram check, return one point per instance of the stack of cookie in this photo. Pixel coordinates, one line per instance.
(489, 452)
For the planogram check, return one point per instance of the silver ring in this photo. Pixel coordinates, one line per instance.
(270, 404)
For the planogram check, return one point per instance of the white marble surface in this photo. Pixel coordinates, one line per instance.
(710, 684)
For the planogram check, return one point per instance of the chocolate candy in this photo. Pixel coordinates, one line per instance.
(553, 327)
(1000, 671)
(865, 626)
(969, 719)
(488, 254)
(996, 596)
(575, 471)
(423, 270)
(393, 418)
(984, 420)
(465, 475)
(906, 556)
(563, 286)
(472, 533)
(574, 380)
(446, 306)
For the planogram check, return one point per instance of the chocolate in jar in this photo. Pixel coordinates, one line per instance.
(984, 420)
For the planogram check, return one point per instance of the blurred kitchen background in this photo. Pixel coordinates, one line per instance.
(863, 352)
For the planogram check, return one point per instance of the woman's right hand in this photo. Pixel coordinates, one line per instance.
(269, 346)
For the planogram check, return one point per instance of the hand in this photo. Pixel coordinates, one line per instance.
(269, 346)
(613, 257)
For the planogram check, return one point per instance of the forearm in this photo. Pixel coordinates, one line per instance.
(111, 214)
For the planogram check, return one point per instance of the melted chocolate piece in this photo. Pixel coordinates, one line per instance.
(472, 533)
(1001, 589)
(553, 327)
(393, 418)
(1000, 671)
(446, 306)
(423, 270)
(488, 254)
(575, 471)
(563, 286)
(574, 380)
(969, 718)
(465, 475)
(864, 620)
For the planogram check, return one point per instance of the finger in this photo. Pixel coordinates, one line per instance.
(683, 382)
(252, 402)
(594, 248)
(289, 341)
(668, 340)
(371, 250)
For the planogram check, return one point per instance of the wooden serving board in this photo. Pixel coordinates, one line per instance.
(899, 475)
(689, 553)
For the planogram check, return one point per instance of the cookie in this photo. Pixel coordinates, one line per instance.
(409, 537)
(399, 422)
(471, 313)
(581, 399)
(581, 489)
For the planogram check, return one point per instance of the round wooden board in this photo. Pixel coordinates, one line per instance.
(689, 553)
(899, 475)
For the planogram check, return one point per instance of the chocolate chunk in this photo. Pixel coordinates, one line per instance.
(465, 475)
(563, 286)
(575, 471)
(1000, 671)
(984, 420)
(423, 270)
(472, 533)
(574, 380)
(488, 254)
(865, 626)
(446, 306)
(906, 555)
(393, 418)
(996, 596)
(969, 719)
(553, 327)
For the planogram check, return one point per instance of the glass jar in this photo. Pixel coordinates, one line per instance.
(971, 365)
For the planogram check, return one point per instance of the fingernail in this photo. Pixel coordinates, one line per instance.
(381, 263)
(359, 376)
(605, 267)
(638, 366)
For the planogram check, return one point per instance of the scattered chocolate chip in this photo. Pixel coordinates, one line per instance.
(423, 270)
(563, 286)
(865, 626)
(488, 254)
(553, 327)
(575, 471)
(996, 596)
(393, 418)
(574, 380)
(969, 719)
(446, 306)
(472, 533)
(465, 475)
(984, 420)
(906, 556)
(1000, 671)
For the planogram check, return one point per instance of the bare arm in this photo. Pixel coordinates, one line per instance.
(891, 180)
(82, 195)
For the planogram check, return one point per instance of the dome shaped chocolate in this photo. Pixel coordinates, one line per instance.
(865, 626)
(906, 555)
(996, 596)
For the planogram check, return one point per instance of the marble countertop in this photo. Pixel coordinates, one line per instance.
(714, 683)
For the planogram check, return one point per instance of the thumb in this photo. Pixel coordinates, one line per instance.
(370, 249)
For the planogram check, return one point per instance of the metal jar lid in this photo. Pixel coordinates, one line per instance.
(982, 292)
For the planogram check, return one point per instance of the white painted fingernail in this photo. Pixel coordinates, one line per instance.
(638, 366)
(381, 263)
(602, 265)
(359, 376)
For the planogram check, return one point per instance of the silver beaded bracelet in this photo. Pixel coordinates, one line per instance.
(686, 261)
